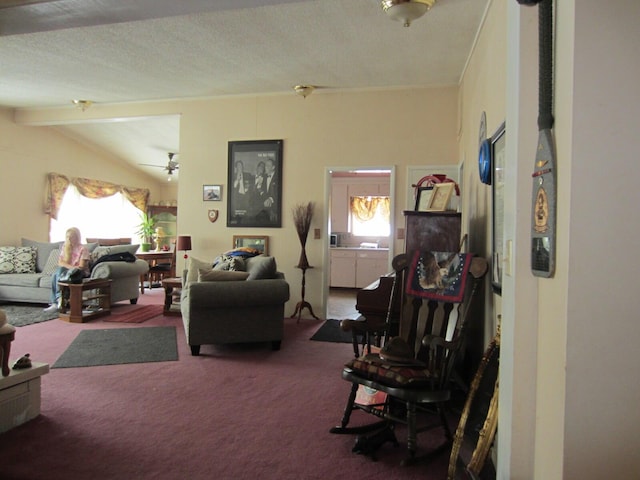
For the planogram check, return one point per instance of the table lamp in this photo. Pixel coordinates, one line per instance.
(184, 243)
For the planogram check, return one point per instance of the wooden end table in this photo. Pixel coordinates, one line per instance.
(86, 300)
(169, 285)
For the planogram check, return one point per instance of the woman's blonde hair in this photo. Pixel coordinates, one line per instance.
(67, 248)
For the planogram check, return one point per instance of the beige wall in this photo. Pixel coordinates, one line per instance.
(376, 128)
(370, 128)
(27, 154)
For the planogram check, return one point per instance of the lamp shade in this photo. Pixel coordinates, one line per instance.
(183, 242)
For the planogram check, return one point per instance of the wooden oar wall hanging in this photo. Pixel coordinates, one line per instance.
(543, 214)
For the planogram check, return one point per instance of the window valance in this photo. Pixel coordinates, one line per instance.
(364, 208)
(57, 186)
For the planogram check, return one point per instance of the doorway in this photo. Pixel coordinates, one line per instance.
(340, 299)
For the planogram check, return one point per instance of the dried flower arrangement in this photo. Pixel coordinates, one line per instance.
(302, 216)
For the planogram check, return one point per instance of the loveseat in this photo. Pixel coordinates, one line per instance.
(221, 306)
(26, 271)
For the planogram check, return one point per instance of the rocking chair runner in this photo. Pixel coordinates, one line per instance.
(414, 369)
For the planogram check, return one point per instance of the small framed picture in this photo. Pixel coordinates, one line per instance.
(212, 193)
(423, 198)
(440, 196)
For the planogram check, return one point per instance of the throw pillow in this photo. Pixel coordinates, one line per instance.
(261, 267)
(52, 262)
(132, 249)
(228, 262)
(43, 251)
(193, 269)
(208, 275)
(97, 253)
(18, 259)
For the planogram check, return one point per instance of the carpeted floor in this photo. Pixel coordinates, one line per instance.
(27, 314)
(234, 412)
(115, 346)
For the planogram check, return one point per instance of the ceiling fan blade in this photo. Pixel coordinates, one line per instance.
(151, 165)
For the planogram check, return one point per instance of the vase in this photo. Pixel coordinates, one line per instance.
(303, 262)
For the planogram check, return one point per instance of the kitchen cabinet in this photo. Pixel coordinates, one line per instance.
(357, 268)
(343, 268)
(339, 207)
(370, 265)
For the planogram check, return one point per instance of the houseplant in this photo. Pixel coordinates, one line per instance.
(146, 228)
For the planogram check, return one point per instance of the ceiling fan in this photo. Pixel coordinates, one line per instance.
(171, 166)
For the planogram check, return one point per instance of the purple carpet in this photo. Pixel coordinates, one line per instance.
(239, 412)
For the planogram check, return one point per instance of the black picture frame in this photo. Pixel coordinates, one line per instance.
(423, 198)
(253, 200)
(497, 191)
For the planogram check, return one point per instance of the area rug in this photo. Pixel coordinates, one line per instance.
(133, 313)
(116, 346)
(27, 314)
(330, 332)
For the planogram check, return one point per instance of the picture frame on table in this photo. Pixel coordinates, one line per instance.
(212, 193)
(440, 196)
(257, 242)
(254, 191)
(423, 198)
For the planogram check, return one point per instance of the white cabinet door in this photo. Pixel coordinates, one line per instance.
(370, 266)
(339, 207)
(343, 268)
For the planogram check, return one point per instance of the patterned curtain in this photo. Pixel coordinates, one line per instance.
(57, 186)
(364, 208)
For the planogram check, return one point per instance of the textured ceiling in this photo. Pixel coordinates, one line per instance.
(112, 51)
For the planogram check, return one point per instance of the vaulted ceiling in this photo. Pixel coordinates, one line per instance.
(114, 51)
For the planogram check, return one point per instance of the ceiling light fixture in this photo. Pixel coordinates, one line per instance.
(82, 104)
(304, 90)
(406, 11)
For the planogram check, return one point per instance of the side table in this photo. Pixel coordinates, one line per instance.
(86, 300)
(169, 285)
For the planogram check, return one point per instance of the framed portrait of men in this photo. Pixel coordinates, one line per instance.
(254, 191)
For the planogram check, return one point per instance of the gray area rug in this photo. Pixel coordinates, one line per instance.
(116, 346)
(330, 332)
(22, 315)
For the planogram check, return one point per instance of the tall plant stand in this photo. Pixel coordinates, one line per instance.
(301, 305)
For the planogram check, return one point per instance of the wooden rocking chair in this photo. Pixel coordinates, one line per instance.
(414, 369)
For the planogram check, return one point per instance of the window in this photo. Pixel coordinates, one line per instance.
(370, 216)
(108, 217)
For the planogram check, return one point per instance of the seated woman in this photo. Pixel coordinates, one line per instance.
(72, 255)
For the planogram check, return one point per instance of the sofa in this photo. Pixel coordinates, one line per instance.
(26, 271)
(225, 304)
